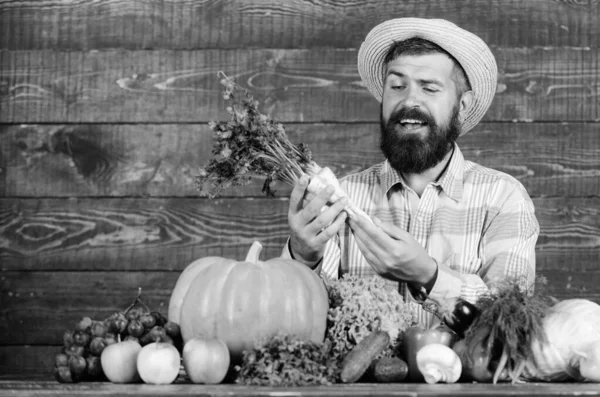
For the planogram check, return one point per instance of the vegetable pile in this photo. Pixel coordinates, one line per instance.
(508, 321)
(359, 306)
(358, 309)
(530, 336)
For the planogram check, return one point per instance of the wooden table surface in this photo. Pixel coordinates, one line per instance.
(89, 389)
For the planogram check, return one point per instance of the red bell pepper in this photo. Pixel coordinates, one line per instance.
(417, 337)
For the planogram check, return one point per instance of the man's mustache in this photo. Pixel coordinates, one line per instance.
(410, 113)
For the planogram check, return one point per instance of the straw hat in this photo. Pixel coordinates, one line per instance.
(469, 50)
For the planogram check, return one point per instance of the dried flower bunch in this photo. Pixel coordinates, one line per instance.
(251, 144)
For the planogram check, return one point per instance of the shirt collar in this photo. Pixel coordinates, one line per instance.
(451, 180)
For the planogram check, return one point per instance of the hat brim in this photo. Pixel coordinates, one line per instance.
(469, 50)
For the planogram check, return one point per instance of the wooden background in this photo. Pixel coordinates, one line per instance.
(103, 125)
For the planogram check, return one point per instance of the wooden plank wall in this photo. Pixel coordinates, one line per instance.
(103, 125)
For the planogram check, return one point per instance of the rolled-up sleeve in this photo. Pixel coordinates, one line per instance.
(506, 253)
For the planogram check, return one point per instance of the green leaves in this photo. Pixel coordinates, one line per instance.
(283, 360)
(249, 144)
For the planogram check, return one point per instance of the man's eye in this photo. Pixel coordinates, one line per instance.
(431, 90)
(397, 87)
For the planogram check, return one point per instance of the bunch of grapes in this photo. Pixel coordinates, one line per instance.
(79, 359)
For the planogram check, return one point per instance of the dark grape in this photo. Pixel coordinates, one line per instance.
(81, 338)
(97, 345)
(148, 321)
(77, 365)
(157, 332)
(134, 313)
(172, 329)
(145, 339)
(99, 329)
(61, 360)
(135, 328)
(167, 339)
(94, 367)
(75, 350)
(68, 338)
(84, 324)
(154, 335)
(160, 319)
(63, 374)
(120, 324)
(110, 338)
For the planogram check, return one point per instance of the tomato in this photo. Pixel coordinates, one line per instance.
(475, 365)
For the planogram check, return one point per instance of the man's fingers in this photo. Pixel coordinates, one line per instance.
(333, 228)
(373, 239)
(365, 249)
(327, 215)
(313, 208)
(391, 230)
(368, 226)
(297, 195)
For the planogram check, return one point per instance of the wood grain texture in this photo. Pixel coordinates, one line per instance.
(27, 362)
(57, 300)
(167, 234)
(132, 234)
(38, 307)
(320, 85)
(150, 160)
(147, 160)
(192, 24)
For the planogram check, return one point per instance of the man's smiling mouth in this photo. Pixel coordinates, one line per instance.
(412, 123)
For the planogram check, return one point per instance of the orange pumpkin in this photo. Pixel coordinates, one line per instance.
(241, 302)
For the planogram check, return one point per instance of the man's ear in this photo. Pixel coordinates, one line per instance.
(466, 101)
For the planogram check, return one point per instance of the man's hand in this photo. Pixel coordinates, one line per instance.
(393, 252)
(312, 222)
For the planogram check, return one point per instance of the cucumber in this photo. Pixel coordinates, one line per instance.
(359, 359)
(389, 370)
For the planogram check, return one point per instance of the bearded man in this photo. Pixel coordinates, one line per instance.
(443, 228)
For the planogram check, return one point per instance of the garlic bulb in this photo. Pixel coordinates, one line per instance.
(439, 363)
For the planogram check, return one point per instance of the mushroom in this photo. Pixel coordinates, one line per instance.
(439, 363)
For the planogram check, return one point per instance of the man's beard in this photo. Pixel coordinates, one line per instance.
(411, 153)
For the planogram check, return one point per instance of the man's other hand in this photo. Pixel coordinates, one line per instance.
(393, 252)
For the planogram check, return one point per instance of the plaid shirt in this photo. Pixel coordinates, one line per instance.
(478, 224)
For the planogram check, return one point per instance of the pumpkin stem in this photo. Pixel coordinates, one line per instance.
(254, 252)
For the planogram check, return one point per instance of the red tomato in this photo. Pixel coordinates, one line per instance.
(475, 365)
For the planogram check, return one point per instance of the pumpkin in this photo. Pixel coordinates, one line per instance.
(242, 302)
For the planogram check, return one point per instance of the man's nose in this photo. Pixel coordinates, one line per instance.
(412, 97)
